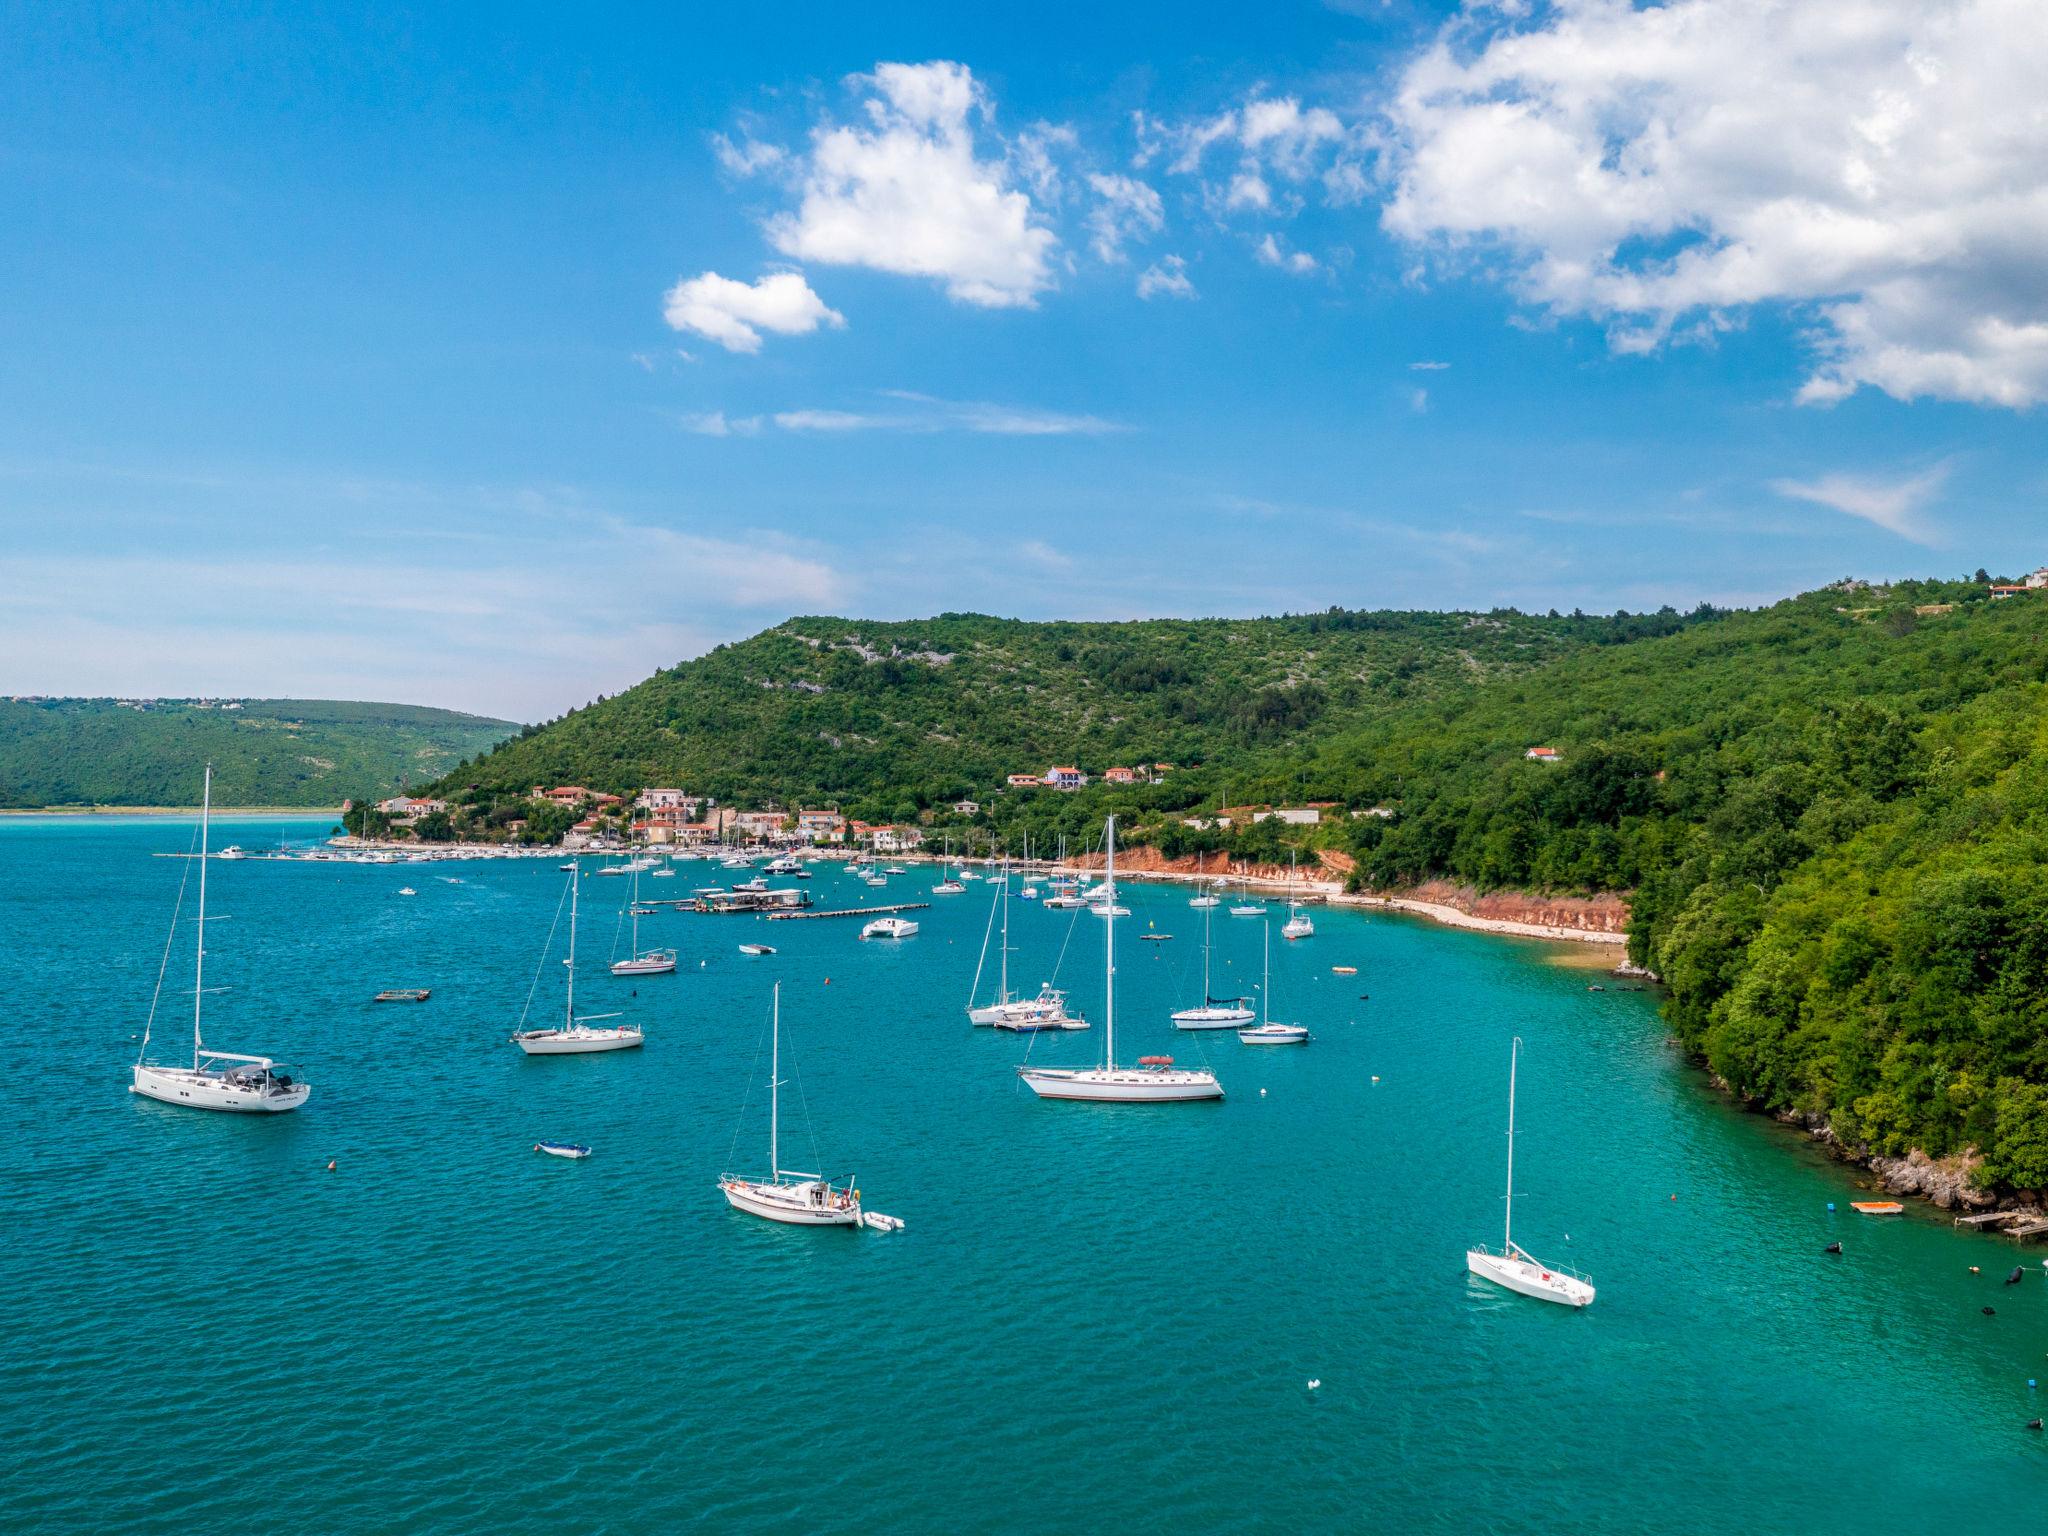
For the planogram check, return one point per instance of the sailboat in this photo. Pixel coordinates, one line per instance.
(1205, 899)
(1298, 924)
(575, 1037)
(1245, 906)
(801, 1199)
(1048, 1010)
(1155, 1079)
(216, 1079)
(1266, 1032)
(652, 962)
(1215, 1012)
(1513, 1267)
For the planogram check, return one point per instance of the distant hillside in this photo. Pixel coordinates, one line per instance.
(915, 713)
(310, 752)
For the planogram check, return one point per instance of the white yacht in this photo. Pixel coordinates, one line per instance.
(799, 1199)
(223, 1080)
(783, 864)
(1513, 1267)
(1048, 1010)
(574, 1036)
(641, 962)
(1155, 1078)
(889, 928)
(1266, 1032)
(1298, 924)
(949, 887)
(1214, 1012)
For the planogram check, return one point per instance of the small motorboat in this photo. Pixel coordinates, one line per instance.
(406, 890)
(1275, 1034)
(571, 1149)
(1154, 938)
(948, 888)
(877, 880)
(757, 949)
(645, 911)
(1344, 970)
(1878, 1207)
(895, 869)
(403, 995)
(889, 928)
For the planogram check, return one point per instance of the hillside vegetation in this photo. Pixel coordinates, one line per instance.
(284, 752)
(1831, 814)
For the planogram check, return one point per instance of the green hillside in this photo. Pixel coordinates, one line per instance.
(284, 752)
(895, 717)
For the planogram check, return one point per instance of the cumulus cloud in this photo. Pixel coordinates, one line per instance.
(1273, 254)
(1894, 505)
(1881, 165)
(925, 414)
(1166, 278)
(734, 314)
(1125, 209)
(908, 192)
(1274, 138)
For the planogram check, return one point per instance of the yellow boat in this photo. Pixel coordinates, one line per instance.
(1345, 970)
(1877, 1207)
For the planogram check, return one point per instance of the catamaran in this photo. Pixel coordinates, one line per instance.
(800, 1199)
(649, 962)
(1155, 1078)
(222, 1080)
(1513, 1267)
(575, 1036)
(1266, 1032)
(1214, 1012)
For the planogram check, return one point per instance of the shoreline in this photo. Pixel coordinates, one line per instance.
(323, 812)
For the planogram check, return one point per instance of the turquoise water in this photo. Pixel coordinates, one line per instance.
(1098, 1317)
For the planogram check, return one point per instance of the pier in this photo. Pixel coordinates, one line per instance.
(726, 902)
(2017, 1225)
(805, 917)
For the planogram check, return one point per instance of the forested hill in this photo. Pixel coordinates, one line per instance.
(887, 718)
(282, 752)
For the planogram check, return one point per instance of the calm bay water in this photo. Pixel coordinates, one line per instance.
(1098, 1318)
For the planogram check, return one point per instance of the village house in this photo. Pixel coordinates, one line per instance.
(821, 826)
(1544, 755)
(890, 838)
(1065, 778)
(764, 826)
(1026, 781)
(967, 807)
(669, 800)
(1292, 815)
(1119, 776)
(2039, 578)
(1998, 593)
(574, 794)
(1385, 812)
(405, 808)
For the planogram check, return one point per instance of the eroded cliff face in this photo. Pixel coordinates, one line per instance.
(1604, 913)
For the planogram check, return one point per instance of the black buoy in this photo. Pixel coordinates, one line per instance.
(1832, 1248)
(1991, 1311)
(2014, 1277)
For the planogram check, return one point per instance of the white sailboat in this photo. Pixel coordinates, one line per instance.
(1206, 899)
(650, 962)
(1214, 1012)
(1245, 906)
(575, 1036)
(1048, 1010)
(223, 1080)
(1513, 1267)
(800, 1199)
(1298, 924)
(1267, 1032)
(1155, 1078)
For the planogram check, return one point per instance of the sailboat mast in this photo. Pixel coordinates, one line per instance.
(1508, 1232)
(1207, 914)
(199, 953)
(1109, 944)
(575, 878)
(636, 914)
(1266, 987)
(1003, 895)
(775, 1089)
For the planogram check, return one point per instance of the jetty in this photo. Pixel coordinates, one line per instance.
(728, 902)
(806, 917)
(2020, 1226)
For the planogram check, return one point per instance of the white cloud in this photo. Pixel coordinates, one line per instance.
(718, 424)
(749, 157)
(907, 193)
(1894, 505)
(1273, 254)
(1881, 165)
(734, 314)
(1248, 189)
(1166, 278)
(1274, 137)
(1418, 401)
(1127, 209)
(1428, 367)
(927, 414)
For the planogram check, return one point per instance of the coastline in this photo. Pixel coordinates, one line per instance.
(323, 811)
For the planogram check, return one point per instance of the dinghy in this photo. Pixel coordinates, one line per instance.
(570, 1149)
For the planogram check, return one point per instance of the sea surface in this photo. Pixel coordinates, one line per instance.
(1098, 1318)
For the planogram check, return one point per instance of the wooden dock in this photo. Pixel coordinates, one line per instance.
(2017, 1225)
(2033, 1226)
(1986, 1218)
(805, 917)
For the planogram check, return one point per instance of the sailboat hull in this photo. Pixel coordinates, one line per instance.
(214, 1090)
(1526, 1277)
(1212, 1018)
(1121, 1085)
(579, 1042)
(791, 1204)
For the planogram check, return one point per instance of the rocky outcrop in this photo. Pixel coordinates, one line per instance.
(1603, 917)
(1948, 1182)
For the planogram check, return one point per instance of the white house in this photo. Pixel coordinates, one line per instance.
(1544, 755)
(967, 807)
(2039, 578)
(890, 838)
(1065, 778)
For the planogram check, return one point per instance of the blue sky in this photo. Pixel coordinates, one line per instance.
(496, 359)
